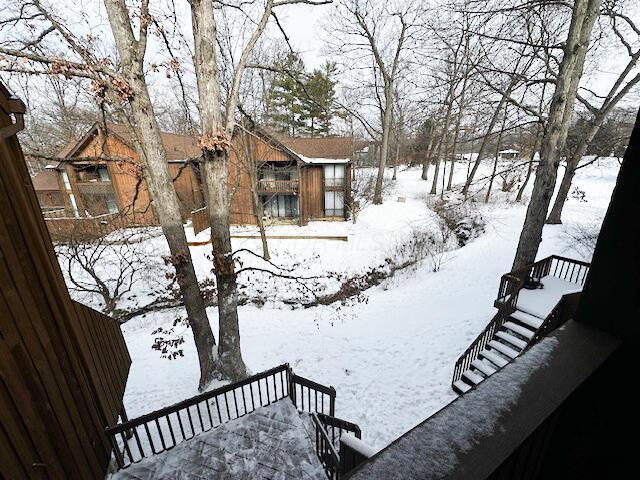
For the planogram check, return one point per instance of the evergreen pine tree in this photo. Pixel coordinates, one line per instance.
(317, 105)
(285, 104)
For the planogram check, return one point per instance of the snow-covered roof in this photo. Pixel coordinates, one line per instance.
(322, 161)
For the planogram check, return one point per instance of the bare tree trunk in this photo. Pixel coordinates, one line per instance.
(555, 216)
(529, 169)
(443, 138)
(456, 133)
(536, 144)
(146, 135)
(395, 162)
(215, 143)
(428, 155)
(585, 13)
(259, 213)
(495, 162)
(485, 140)
(384, 149)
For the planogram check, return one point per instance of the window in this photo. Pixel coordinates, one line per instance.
(281, 206)
(333, 175)
(333, 204)
(112, 206)
(103, 174)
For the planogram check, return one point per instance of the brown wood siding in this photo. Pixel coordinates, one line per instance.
(187, 187)
(50, 199)
(241, 207)
(312, 193)
(54, 405)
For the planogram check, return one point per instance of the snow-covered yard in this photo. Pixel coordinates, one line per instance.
(390, 358)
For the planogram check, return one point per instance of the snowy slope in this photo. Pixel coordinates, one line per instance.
(390, 359)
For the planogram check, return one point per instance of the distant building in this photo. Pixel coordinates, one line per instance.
(298, 179)
(508, 154)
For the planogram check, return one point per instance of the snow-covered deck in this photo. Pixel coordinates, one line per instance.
(542, 301)
(271, 442)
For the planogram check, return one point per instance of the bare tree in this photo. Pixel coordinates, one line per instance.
(379, 35)
(217, 129)
(109, 266)
(584, 15)
(617, 92)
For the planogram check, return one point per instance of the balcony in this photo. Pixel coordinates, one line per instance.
(95, 187)
(278, 186)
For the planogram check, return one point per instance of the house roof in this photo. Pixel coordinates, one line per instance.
(177, 146)
(45, 180)
(323, 147)
(181, 147)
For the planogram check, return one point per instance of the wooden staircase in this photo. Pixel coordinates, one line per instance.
(517, 326)
(509, 341)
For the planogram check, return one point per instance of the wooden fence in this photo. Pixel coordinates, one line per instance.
(63, 229)
(63, 366)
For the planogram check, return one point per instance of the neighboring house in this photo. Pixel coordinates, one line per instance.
(101, 174)
(508, 154)
(293, 180)
(48, 190)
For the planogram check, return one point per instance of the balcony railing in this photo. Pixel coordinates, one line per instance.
(99, 187)
(163, 429)
(334, 182)
(278, 186)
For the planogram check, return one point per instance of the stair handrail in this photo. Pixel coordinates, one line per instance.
(563, 310)
(510, 285)
(473, 351)
(325, 449)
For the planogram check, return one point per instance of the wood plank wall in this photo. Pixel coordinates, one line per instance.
(312, 197)
(54, 403)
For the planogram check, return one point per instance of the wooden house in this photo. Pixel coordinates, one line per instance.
(101, 174)
(294, 181)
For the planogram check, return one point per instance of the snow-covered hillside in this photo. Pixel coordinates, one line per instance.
(389, 358)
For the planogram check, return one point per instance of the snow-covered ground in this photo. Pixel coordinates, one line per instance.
(390, 358)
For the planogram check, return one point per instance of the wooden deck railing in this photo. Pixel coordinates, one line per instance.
(568, 269)
(309, 396)
(574, 271)
(86, 228)
(278, 186)
(163, 429)
(328, 432)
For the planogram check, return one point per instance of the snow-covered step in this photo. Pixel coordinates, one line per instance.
(502, 348)
(462, 386)
(493, 358)
(473, 377)
(515, 341)
(483, 367)
(519, 329)
(527, 319)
